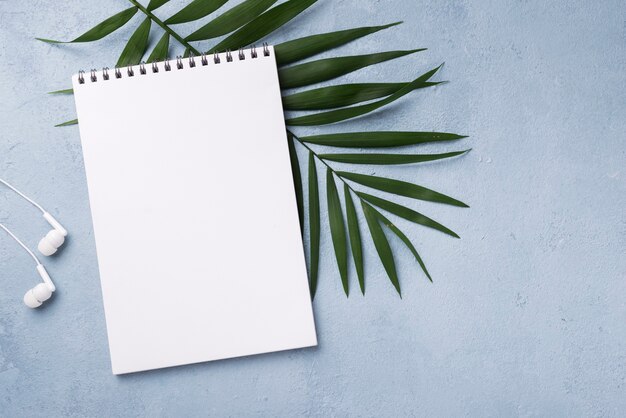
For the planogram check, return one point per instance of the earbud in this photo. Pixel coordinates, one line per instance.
(43, 291)
(35, 297)
(53, 239)
(51, 242)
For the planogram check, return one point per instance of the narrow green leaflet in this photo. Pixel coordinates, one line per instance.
(187, 53)
(68, 123)
(401, 188)
(159, 53)
(382, 245)
(329, 68)
(355, 237)
(333, 116)
(337, 228)
(263, 25)
(299, 49)
(314, 223)
(379, 139)
(155, 4)
(136, 46)
(297, 178)
(387, 159)
(231, 20)
(102, 29)
(405, 240)
(343, 95)
(406, 213)
(64, 91)
(195, 10)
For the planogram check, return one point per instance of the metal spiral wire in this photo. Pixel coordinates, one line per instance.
(155, 66)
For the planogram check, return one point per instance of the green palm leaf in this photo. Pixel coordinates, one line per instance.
(401, 188)
(406, 213)
(136, 46)
(387, 159)
(299, 49)
(102, 29)
(64, 91)
(343, 95)
(195, 10)
(379, 139)
(382, 245)
(263, 25)
(159, 53)
(155, 4)
(329, 68)
(333, 116)
(355, 237)
(314, 223)
(405, 240)
(231, 20)
(337, 228)
(297, 178)
(68, 123)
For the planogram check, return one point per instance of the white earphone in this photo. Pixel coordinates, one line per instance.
(53, 239)
(43, 291)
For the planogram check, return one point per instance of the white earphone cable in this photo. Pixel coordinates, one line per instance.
(24, 196)
(21, 243)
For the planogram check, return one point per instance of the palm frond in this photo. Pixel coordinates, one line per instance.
(379, 139)
(355, 236)
(195, 10)
(297, 179)
(343, 95)
(102, 29)
(339, 115)
(155, 4)
(161, 49)
(263, 25)
(314, 224)
(388, 159)
(231, 20)
(382, 245)
(406, 213)
(252, 21)
(330, 68)
(302, 48)
(136, 46)
(401, 188)
(337, 228)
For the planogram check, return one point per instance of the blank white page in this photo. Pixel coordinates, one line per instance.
(194, 212)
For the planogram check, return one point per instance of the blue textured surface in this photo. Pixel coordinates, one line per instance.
(526, 316)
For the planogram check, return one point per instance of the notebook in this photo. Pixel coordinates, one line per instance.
(194, 211)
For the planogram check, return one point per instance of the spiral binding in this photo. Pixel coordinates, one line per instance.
(167, 66)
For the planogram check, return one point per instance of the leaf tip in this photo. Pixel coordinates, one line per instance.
(389, 25)
(68, 123)
(49, 41)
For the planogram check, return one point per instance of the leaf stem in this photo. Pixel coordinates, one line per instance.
(165, 27)
(325, 163)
